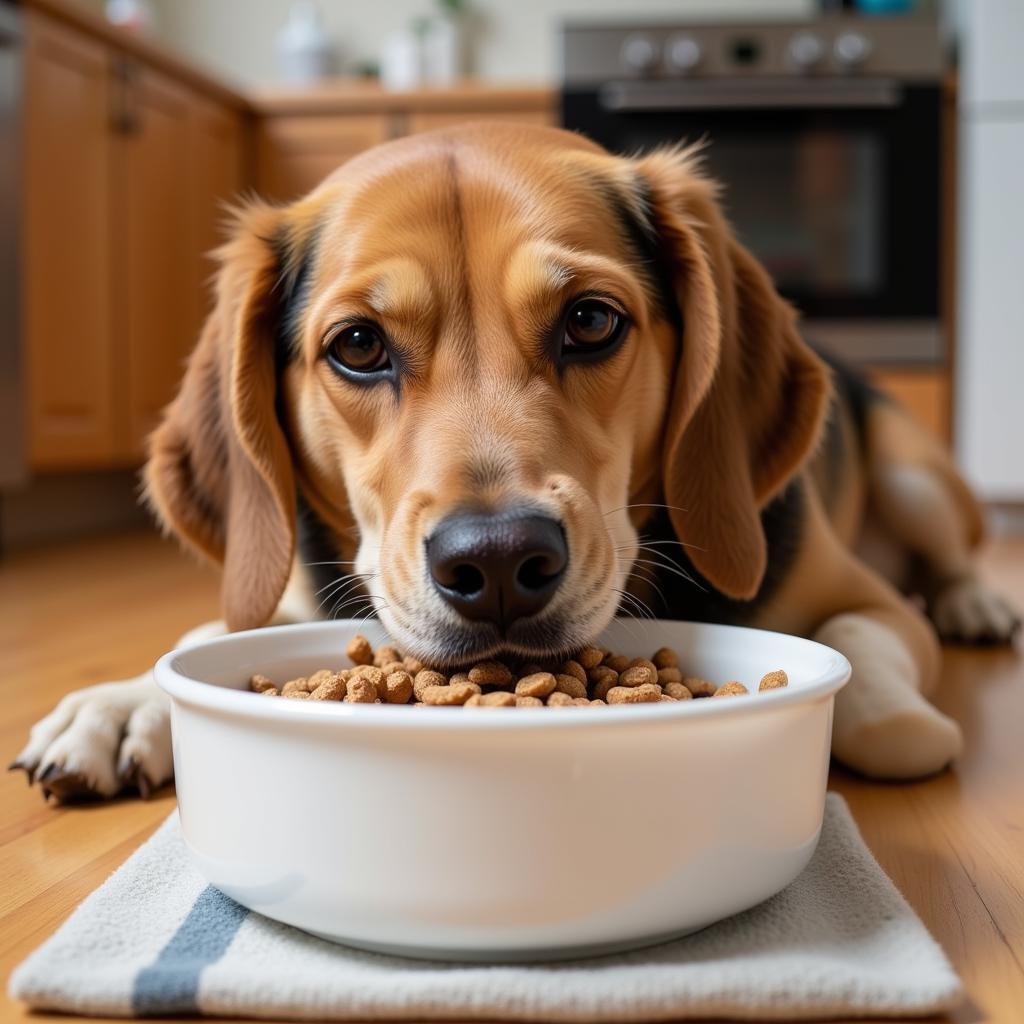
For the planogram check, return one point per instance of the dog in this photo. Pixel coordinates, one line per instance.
(519, 383)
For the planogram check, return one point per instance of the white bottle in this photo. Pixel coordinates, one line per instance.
(444, 50)
(402, 61)
(134, 16)
(304, 48)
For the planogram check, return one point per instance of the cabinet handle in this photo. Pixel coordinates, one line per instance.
(125, 115)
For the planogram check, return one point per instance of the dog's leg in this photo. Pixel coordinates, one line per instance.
(918, 499)
(883, 726)
(102, 738)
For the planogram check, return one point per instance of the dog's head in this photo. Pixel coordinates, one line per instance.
(482, 356)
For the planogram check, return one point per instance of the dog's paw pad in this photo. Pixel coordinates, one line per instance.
(968, 611)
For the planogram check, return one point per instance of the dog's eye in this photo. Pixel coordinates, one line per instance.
(358, 349)
(592, 326)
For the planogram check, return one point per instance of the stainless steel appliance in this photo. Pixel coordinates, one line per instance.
(12, 431)
(827, 137)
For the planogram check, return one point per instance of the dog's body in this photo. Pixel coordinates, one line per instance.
(518, 382)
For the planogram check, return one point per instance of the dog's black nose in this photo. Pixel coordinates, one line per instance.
(497, 567)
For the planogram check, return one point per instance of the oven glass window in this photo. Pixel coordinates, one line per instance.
(809, 206)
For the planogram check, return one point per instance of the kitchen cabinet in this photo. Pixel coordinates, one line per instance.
(68, 254)
(154, 254)
(125, 168)
(294, 153)
(426, 121)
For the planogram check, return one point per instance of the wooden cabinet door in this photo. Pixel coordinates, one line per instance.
(155, 276)
(68, 202)
(217, 156)
(427, 121)
(295, 153)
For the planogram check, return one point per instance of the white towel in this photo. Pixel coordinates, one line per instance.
(155, 939)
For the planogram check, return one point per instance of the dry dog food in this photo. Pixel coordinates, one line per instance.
(594, 677)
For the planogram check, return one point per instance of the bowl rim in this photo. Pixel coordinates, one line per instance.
(244, 703)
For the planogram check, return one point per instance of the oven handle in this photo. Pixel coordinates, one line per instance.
(764, 94)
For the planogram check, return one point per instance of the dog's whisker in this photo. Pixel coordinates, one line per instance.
(342, 579)
(668, 567)
(645, 504)
(349, 588)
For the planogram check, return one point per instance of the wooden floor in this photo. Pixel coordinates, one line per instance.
(87, 612)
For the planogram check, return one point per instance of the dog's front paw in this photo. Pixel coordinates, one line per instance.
(968, 611)
(100, 741)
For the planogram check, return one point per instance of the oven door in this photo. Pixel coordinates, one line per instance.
(833, 183)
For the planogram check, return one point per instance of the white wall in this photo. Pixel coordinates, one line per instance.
(514, 40)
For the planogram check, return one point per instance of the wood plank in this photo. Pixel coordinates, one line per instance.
(953, 844)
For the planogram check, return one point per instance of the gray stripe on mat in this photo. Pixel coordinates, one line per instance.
(171, 983)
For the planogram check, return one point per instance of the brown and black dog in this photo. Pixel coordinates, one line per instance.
(516, 383)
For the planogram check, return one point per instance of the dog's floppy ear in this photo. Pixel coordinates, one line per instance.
(749, 397)
(219, 472)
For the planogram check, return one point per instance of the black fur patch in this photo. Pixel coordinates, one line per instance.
(295, 272)
(644, 244)
(783, 524)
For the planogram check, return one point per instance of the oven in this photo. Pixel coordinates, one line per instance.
(826, 136)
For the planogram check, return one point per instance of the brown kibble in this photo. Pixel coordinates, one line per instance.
(459, 677)
(646, 693)
(294, 686)
(318, 678)
(590, 657)
(774, 680)
(669, 675)
(559, 700)
(644, 663)
(617, 662)
(529, 702)
(609, 679)
(531, 668)
(730, 689)
(573, 668)
(495, 699)
(331, 688)
(296, 695)
(397, 687)
(665, 698)
(638, 675)
(665, 657)
(394, 666)
(359, 650)
(447, 695)
(581, 702)
(385, 655)
(490, 673)
(677, 691)
(426, 678)
(261, 684)
(699, 687)
(272, 692)
(361, 690)
(570, 685)
(601, 702)
(413, 665)
(539, 684)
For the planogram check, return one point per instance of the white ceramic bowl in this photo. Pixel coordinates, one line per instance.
(488, 834)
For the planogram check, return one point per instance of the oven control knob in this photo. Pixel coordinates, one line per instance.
(806, 50)
(639, 53)
(851, 49)
(684, 53)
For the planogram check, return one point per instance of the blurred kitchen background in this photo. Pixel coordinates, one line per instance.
(872, 152)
